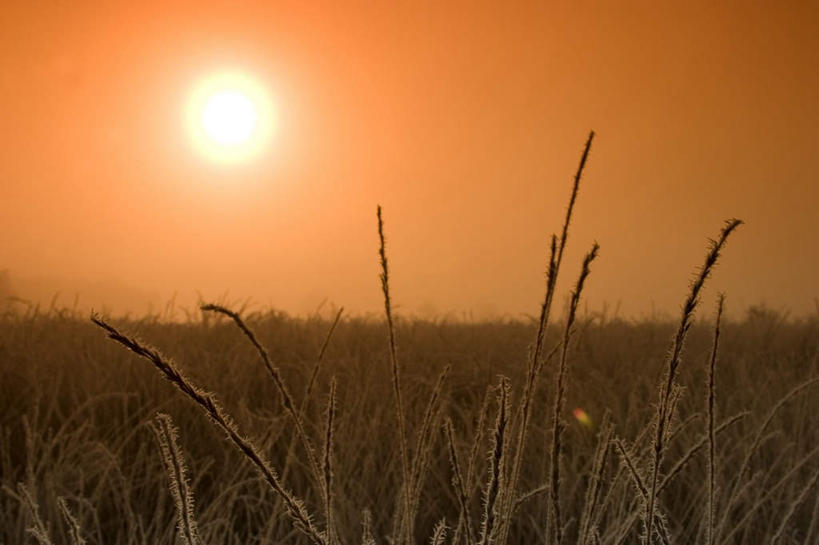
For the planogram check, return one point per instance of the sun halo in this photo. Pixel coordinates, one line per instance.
(230, 118)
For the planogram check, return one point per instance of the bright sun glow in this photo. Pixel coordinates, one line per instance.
(230, 117)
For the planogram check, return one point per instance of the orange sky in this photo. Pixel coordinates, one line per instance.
(466, 123)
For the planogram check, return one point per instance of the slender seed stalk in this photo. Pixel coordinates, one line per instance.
(496, 467)
(555, 259)
(712, 468)
(556, 527)
(664, 413)
(405, 536)
(278, 380)
(327, 465)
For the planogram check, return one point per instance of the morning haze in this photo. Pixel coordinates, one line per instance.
(465, 124)
(524, 344)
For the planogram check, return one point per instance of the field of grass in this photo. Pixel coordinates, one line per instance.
(265, 428)
(77, 413)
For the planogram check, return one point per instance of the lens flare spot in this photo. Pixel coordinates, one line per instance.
(582, 417)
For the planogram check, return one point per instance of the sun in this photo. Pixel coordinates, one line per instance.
(230, 117)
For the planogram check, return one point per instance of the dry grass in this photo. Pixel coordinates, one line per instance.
(88, 409)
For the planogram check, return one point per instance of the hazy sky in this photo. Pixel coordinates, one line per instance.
(465, 121)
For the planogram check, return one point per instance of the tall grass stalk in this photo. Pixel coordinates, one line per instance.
(404, 535)
(556, 528)
(664, 406)
(555, 258)
(327, 465)
(712, 392)
(278, 380)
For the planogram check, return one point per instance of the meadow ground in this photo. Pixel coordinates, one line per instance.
(78, 422)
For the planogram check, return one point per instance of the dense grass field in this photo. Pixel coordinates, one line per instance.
(78, 419)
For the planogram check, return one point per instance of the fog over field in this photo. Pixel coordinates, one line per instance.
(426, 273)
(463, 122)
